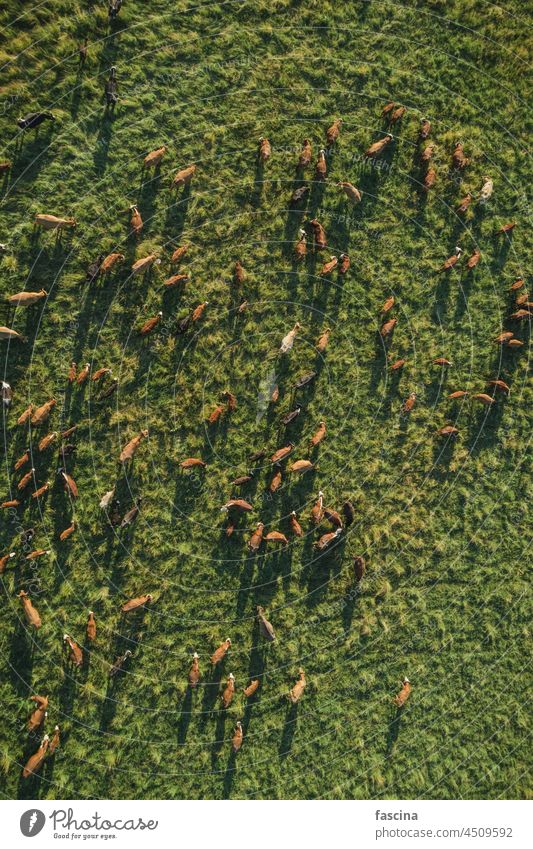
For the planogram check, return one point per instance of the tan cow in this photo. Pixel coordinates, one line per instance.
(35, 762)
(129, 450)
(30, 612)
(296, 693)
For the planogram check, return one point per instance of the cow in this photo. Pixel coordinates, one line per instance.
(144, 264)
(111, 86)
(305, 154)
(452, 260)
(239, 273)
(459, 394)
(486, 190)
(64, 535)
(94, 269)
(296, 528)
(183, 177)
(42, 413)
(192, 463)
(397, 115)
(322, 341)
(501, 385)
(401, 698)
(276, 536)
(178, 254)
(276, 481)
(378, 147)
(300, 248)
(47, 440)
(5, 560)
(236, 740)
(329, 266)
(154, 158)
(30, 612)
(265, 627)
(464, 203)
(252, 688)
(301, 466)
(442, 361)
(448, 430)
(288, 341)
(349, 513)
(9, 333)
(332, 133)
(388, 305)
(34, 119)
(425, 129)
(129, 450)
(6, 393)
(318, 436)
(254, 543)
(333, 517)
(483, 398)
(359, 567)
(427, 153)
(344, 264)
(353, 194)
(194, 672)
(387, 328)
(52, 222)
(38, 715)
(409, 403)
(282, 453)
(118, 665)
(321, 167)
(114, 8)
(35, 762)
(175, 280)
(473, 260)
(136, 603)
(131, 515)
(90, 628)
(54, 743)
(430, 179)
(265, 150)
(84, 374)
(317, 511)
(26, 299)
(216, 414)
(236, 504)
(319, 234)
(110, 261)
(220, 653)
(507, 228)
(22, 460)
(69, 484)
(150, 324)
(136, 222)
(228, 692)
(76, 653)
(297, 690)
(198, 311)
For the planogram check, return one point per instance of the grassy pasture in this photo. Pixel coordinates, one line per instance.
(444, 528)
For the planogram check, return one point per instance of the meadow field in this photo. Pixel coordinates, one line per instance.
(442, 524)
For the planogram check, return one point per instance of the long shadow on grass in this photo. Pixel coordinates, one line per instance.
(289, 730)
(394, 730)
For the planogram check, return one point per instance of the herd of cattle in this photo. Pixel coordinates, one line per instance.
(284, 460)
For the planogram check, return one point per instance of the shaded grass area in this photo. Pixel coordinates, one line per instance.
(443, 526)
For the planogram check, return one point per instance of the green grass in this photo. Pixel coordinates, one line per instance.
(444, 529)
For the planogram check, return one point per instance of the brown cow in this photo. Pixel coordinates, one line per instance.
(236, 740)
(464, 203)
(506, 228)
(84, 374)
(220, 652)
(136, 603)
(344, 264)
(228, 692)
(5, 560)
(198, 312)
(236, 504)
(276, 481)
(321, 167)
(296, 692)
(332, 133)
(90, 628)
(54, 743)
(8, 333)
(26, 299)
(251, 688)
(398, 364)
(448, 430)
(430, 179)
(397, 115)
(425, 129)
(452, 260)
(485, 399)
(442, 361)
(282, 453)
(359, 567)
(151, 324)
(322, 341)
(427, 153)
(387, 328)
(300, 248)
(378, 147)
(178, 254)
(216, 414)
(136, 222)
(296, 528)
(35, 762)
(401, 698)
(327, 539)
(69, 483)
(183, 177)
(110, 261)
(48, 440)
(501, 385)
(409, 403)
(276, 536)
(22, 460)
(254, 543)
(265, 150)
(301, 466)
(353, 194)
(329, 266)
(30, 612)
(318, 436)
(194, 671)
(38, 715)
(388, 305)
(319, 234)
(23, 418)
(129, 450)
(42, 413)
(459, 160)
(67, 532)
(239, 273)
(461, 393)
(25, 480)
(71, 377)
(317, 512)
(154, 158)
(192, 462)
(305, 154)
(144, 264)
(76, 653)
(473, 260)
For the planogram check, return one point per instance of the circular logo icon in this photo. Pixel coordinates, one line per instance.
(32, 822)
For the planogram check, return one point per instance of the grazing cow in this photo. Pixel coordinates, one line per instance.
(296, 692)
(106, 500)
(486, 190)
(401, 698)
(333, 517)
(301, 466)
(388, 108)
(397, 115)
(154, 158)
(178, 254)
(114, 8)
(344, 264)
(144, 264)
(255, 540)
(387, 328)
(276, 536)
(52, 222)
(136, 222)
(220, 652)
(276, 481)
(318, 436)
(194, 672)
(507, 228)
(332, 133)
(111, 87)
(5, 505)
(306, 154)
(501, 385)
(409, 403)
(5, 560)
(322, 341)
(183, 177)
(101, 372)
(317, 511)
(84, 374)
(321, 167)
(26, 299)
(69, 483)
(265, 627)
(296, 528)
(448, 430)
(129, 450)
(265, 150)
(8, 333)
(25, 480)
(452, 260)
(67, 532)
(430, 178)
(236, 740)
(38, 715)
(455, 396)
(72, 372)
(239, 273)
(282, 453)
(398, 364)
(228, 692)
(198, 312)
(236, 504)
(388, 305)
(34, 119)
(353, 194)
(464, 203)
(300, 248)
(359, 567)
(327, 539)
(151, 324)
(459, 160)
(329, 266)
(7, 394)
(94, 269)
(119, 663)
(30, 612)
(38, 552)
(504, 337)
(288, 341)
(289, 417)
(90, 628)
(473, 260)
(425, 129)
(191, 463)
(22, 460)
(299, 193)
(442, 361)
(54, 743)
(35, 762)
(427, 153)
(349, 512)
(252, 688)
(231, 400)
(378, 147)
(216, 414)
(175, 280)
(319, 234)
(274, 396)
(521, 314)
(483, 398)
(136, 603)
(42, 413)
(131, 515)
(76, 654)
(110, 261)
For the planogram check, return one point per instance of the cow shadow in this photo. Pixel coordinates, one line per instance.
(289, 730)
